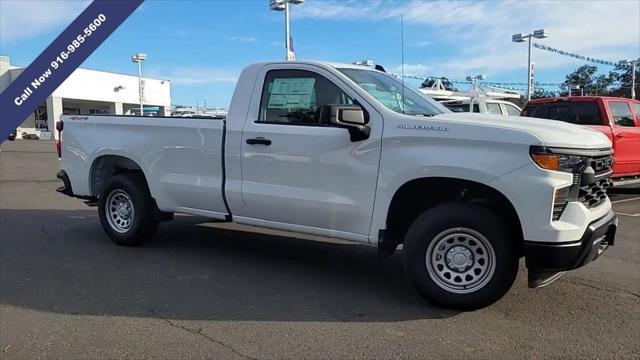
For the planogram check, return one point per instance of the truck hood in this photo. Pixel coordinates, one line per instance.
(550, 132)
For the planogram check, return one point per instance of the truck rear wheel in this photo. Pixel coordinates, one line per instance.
(126, 210)
(460, 256)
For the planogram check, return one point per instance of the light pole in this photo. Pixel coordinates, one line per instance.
(633, 64)
(283, 5)
(538, 34)
(139, 58)
(474, 88)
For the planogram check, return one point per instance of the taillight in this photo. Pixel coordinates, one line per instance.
(59, 128)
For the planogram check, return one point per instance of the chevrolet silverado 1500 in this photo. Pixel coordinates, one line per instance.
(349, 152)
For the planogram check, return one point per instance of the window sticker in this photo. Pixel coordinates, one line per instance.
(291, 93)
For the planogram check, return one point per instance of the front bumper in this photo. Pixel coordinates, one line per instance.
(550, 257)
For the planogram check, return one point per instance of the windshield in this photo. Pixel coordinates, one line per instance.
(389, 92)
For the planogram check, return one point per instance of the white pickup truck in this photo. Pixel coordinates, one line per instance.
(348, 152)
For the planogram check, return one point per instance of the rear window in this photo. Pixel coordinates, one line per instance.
(581, 113)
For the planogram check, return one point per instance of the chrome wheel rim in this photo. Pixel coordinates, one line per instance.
(120, 211)
(460, 260)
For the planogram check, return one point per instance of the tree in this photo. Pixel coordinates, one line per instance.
(602, 83)
(590, 83)
(539, 92)
(622, 74)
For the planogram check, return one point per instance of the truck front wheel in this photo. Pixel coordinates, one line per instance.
(460, 256)
(126, 210)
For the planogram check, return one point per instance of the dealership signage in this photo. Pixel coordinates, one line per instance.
(65, 54)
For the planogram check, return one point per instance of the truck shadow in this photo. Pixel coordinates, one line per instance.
(61, 262)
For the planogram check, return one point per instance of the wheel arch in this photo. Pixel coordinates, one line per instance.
(106, 166)
(417, 195)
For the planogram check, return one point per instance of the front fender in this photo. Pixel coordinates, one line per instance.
(407, 159)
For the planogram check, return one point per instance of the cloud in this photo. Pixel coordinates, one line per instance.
(480, 32)
(340, 9)
(423, 43)
(412, 69)
(193, 75)
(244, 39)
(23, 19)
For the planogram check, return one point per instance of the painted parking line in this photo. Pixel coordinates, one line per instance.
(625, 200)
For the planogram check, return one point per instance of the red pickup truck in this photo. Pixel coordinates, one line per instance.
(618, 118)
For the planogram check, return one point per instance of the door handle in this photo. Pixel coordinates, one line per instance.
(259, 140)
(619, 135)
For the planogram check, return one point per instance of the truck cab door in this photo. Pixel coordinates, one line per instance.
(626, 138)
(298, 172)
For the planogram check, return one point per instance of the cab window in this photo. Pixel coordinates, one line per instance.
(622, 115)
(462, 107)
(295, 97)
(493, 108)
(511, 110)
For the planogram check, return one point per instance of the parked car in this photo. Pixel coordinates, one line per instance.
(617, 118)
(484, 105)
(346, 151)
(12, 136)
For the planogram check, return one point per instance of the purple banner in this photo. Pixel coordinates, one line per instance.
(60, 59)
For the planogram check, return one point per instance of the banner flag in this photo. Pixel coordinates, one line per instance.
(575, 56)
(65, 54)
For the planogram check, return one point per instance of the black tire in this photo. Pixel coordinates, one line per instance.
(143, 222)
(476, 226)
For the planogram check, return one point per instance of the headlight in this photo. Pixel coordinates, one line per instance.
(550, 160)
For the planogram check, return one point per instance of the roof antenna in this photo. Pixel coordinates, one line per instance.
(402, 58)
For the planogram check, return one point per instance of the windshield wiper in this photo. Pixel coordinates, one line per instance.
(422, 115)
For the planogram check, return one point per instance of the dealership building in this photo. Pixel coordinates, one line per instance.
(91, 92)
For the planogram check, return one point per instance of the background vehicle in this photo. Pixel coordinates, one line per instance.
(348, 152)
(12, 136)
(617, 118)
(484, 105)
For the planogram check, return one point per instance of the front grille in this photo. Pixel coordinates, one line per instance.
(601, 164)
(594, 194)
(597, 171)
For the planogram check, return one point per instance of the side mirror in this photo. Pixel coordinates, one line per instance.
(351, 117)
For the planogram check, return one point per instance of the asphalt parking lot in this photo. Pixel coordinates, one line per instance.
(204, 290)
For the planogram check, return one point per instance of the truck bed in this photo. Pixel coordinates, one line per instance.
(182, 158)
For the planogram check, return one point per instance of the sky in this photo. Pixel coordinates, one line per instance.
(202, 46)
